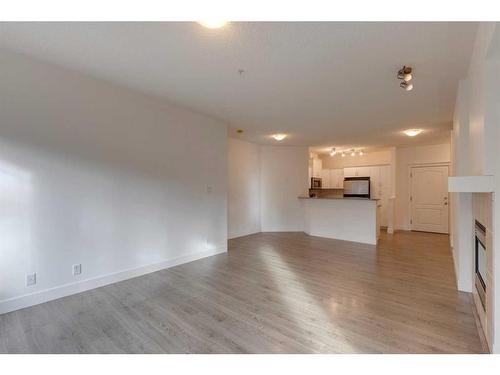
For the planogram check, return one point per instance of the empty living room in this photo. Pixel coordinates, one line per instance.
(233, 180)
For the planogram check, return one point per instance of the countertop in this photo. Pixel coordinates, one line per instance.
(344, 198)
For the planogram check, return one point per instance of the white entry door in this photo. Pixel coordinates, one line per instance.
(429, 199)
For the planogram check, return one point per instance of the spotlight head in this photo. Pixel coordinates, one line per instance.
(404, 71)
(406, 86)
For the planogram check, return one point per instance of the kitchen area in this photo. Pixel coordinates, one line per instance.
(348, 196)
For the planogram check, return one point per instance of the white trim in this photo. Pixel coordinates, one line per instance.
(471, 184)
(50, 294)
(243, 234)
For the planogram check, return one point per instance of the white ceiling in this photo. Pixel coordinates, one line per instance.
(323, 83)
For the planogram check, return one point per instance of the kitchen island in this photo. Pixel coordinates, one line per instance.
(349, 219)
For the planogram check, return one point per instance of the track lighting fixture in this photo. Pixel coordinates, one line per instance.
(343, 153)
(405, 75)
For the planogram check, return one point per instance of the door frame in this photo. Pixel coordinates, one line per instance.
(423, 165)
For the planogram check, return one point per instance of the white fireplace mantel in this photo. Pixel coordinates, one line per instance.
(471, 184)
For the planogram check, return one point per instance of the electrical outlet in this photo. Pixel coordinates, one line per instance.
(30, 279)
(77, 269)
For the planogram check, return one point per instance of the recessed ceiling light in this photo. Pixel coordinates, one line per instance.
(279, 137)
(413, 132)
(213, 24)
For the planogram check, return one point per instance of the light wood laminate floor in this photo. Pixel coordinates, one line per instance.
(271, 293)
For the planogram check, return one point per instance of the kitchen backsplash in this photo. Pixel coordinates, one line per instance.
(327, 193)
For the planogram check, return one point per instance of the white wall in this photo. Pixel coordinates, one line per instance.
(264, 183)
(243, 188)
(476, 141)
(482, 159)
(493, 154)
(284, 177)
(95, 174)
(406, 157)
(461, 204)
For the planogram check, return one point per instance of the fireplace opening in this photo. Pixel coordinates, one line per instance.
(480, 261)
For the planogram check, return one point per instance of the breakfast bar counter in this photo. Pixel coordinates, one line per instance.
(349, 219)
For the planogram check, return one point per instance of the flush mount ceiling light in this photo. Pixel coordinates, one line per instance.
(332, 151)
(213, 24)
(405, 75)
(413, 132)
(279, 137)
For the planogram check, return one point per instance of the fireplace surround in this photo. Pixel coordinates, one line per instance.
(480, 259)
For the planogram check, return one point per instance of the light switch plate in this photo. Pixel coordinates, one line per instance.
(30, 279)
(77, 269)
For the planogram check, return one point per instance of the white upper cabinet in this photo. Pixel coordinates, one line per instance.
(385, 180)
(357, 172)
(375, 187)
(364, 171)
(325, 179)
(332, 178)
(350, 172)
(317, 166)
(338, 178)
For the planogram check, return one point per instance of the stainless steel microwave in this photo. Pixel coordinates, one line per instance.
(315, 183)
(357, 187)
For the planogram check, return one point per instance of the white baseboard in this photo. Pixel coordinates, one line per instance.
(242, 234)
(50, 294)
(402, 227)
